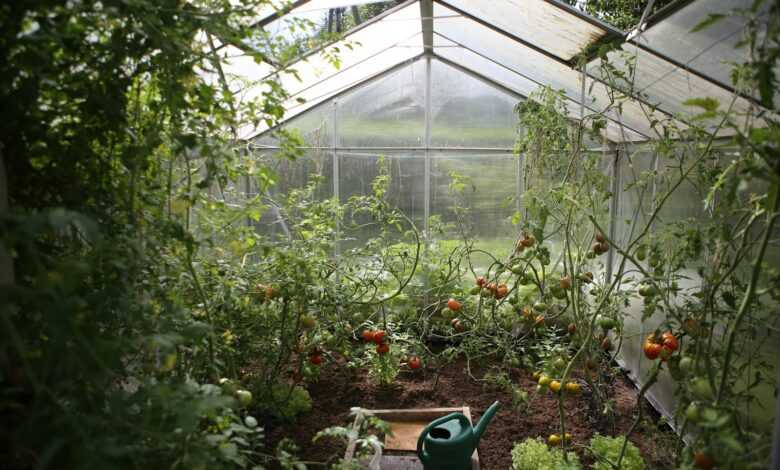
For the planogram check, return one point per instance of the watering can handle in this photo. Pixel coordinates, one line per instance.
(424, 457)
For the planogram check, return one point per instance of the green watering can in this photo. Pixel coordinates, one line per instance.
(448, 442)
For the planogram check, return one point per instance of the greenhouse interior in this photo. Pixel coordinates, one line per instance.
(390, 234)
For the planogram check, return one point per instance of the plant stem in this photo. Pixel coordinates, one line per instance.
(751, 288)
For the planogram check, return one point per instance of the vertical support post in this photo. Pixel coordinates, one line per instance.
(614, 206)
(776, 445)
(427, 211)
(336, 177)
(426, 15)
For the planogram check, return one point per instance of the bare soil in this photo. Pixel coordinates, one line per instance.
(340, 388)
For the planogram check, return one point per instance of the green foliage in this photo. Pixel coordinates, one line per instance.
(533, 454)
(606, 451)
(286, 402)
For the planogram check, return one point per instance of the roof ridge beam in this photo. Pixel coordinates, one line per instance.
(426, 15)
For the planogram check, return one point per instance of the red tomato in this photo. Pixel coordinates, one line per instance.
(382, 348)
(457, 325)
(481, 281)
(454, 305)
(414, 362)
(379, 336)
(367, 335)
(703, 461)
(670, 341)
(652, 350)
(315, 359)
(501, 291)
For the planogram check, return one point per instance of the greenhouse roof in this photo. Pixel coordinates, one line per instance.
(520, 46)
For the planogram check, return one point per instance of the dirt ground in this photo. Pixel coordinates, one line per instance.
(341, 388)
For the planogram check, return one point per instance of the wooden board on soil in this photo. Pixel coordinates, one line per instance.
(406, 425)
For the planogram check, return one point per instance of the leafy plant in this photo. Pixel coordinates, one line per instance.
(606, 450)
(533, 454)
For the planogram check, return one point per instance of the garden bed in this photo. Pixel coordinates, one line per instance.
(340, 388)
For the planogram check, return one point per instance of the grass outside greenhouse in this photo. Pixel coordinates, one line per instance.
(384, 234)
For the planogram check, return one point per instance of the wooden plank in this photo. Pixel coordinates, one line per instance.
(407, 424)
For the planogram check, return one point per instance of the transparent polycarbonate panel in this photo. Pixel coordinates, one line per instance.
(710, 51)
(311, 21)
(536, 67)
(519, 83)
(284, 7)
(386, 112)
(406, 191)
(478, 64)
(315, 128)
(544, 24)
(345, 79)
(662, 84)
(490, 195)
(503, 50)
(396, 28)
(290, 175)
(467, 112)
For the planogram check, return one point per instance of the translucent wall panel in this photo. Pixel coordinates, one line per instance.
(291, 174)
(389, 111)
(519, 83)
(357, 171)
(314, 127)
(490, 196)
(467, 112)
(712, 50)
(541, 69)
(542, 23)
(665, 85)
(313, 16)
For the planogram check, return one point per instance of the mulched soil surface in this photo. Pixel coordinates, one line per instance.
(340, 388)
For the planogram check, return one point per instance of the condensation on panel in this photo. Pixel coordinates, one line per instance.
(467, 112)
(387, 112)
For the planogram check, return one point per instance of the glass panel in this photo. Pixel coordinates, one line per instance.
(387, 112)
(467, 112)
(490, 197)
(539, 22)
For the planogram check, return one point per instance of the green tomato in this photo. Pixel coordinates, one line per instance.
(559, 363)
(686, 364)
(606, 322)
(244, 397)
(557, 292)
(228, 386)
(692, 413)
(701, 389)
(641, 253)
(475, 290)
(540, 306)
(514, 361)
(250, 422)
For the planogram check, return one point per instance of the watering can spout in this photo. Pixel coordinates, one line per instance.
(484, 421)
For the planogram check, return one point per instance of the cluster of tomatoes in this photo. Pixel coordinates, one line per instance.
(600, 246)
(526, 242)
(491, 289)
(265, 292)
(555, 386)
(662, 346)
(378, 337)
